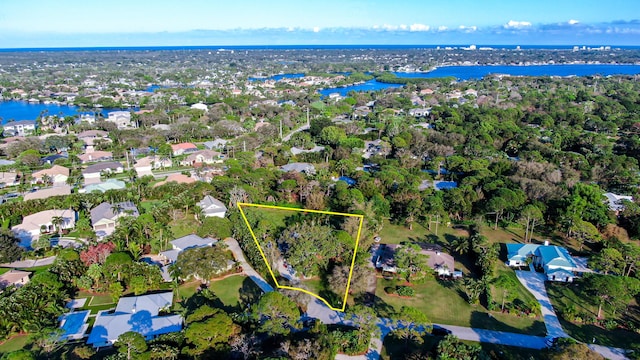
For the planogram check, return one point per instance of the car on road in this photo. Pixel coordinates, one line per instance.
(440, 331)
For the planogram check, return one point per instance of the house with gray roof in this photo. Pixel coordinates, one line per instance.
(137, 313)
(299, 167)
(616, 202)
(212, 207)
(555, 261)
(184, 243)
(104, 217)
(216, 144)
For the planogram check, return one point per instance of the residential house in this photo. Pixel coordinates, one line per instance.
(122, 119)
(299, 167)
(8, 178)
(616, 202)
(200, 106)
(212, 207)
(217, 144)
(202, 157)
(96, 156)
(183, 148)
(60, 190)
(420, 113)
(93, 172)
(57, 174)
(19, 128)
(93, 137)
(186, 242)
(42, 222)
(140, 314)
(50, 159)
(104, 217)
(443, 264)
(298, 151)
(144, 165)
(179, 178)
(555, 261)
(109, 184)
(14, 277)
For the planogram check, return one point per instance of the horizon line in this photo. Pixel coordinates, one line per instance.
(354, 45)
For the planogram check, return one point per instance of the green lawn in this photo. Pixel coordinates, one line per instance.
(184, 227)
(563, 296)
(4, 270)
(234, 290)
(443, 303)
(521, 292)
(99, 300)
(187, 289)
(15, 343)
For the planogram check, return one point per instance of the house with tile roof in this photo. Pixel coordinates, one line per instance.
(183, 148)
(202, 157)
(59, 190)
(58, 175)
(34, 225)
(179, 178)
(14, 277)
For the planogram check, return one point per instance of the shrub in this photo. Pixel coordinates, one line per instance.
(405, 291)
(390, 290)
(610, 324)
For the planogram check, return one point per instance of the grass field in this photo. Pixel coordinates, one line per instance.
(4, 270)
(99, 300)
(521, 292)
(234, 290)
(183, 227)
(564, 295)
(15, 343)
(442, 303)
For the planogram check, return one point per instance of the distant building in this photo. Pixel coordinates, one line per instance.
(95, 156)
(57, 174)
(92, 173)
(298, 167)
(122, 119)
(19, 128)
(183, 148)
(186, 242)
(555, 261)
(178, 178)
(202, 157)
(616, 202)
(58, 190)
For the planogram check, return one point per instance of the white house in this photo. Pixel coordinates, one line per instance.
(19, 128)
(122, 119)
(92, 173)
(138, 313)
(616, 202)
(184, 243)
(202, 157)
(42, 222)
(145, 165)
(212, 207)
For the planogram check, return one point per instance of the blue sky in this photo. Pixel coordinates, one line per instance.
(46, 23)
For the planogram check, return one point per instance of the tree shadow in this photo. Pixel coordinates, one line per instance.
(381, 307)
(482, 320)
(248, 293)
(200, 298)
(453, 285)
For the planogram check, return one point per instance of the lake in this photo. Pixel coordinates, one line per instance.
(480, 71)
(23, 110)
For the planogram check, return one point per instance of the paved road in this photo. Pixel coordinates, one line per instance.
(246, 268)
(30, 263)
(609, 352)
(534, 282)
(301, 128)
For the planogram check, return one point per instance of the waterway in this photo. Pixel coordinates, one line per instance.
(462, 73)
(23, 110)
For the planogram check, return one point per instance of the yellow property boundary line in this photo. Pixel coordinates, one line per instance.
(264, 257)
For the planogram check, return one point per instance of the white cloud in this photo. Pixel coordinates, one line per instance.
(468, 29)
(442, 28)
(573, 22)
(403, 27)
(512, 24)
(316, 29)
(419, 27)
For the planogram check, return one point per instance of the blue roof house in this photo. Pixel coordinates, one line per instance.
(555, 261)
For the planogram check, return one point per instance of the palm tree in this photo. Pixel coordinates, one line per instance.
(57, 221)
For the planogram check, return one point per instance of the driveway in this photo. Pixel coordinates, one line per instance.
(534, 282)
(246, 268)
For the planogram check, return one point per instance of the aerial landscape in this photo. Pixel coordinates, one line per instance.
(303, 180)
